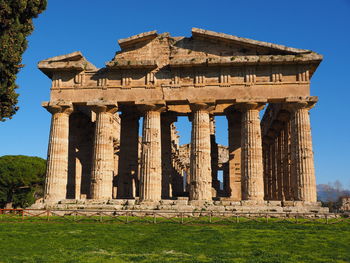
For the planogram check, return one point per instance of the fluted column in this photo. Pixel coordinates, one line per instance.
(286, 162)
(128, 161)
(151, 163)
(101, 187)
(57, 156)
(214, 155)
(280, 183)
(302, 153)
(233, 188)
(167, 179)
(267, 167)
(251, 158)
(272, 186)
(200, 163)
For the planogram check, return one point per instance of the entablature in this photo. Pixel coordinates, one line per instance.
(183, 108)
(206, 65)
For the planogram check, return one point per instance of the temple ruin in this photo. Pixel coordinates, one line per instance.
(96, 156)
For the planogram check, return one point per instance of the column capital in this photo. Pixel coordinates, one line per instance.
(302, 103)
(57, 107)
(169, 117)
(129, 111)
(232, 113)
(151, 107)
(203, 106)
(294, 106)
(101, 107)
(268, 140)
(244, 106)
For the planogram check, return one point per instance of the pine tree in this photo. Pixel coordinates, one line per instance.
(15, 25)
(21, 180)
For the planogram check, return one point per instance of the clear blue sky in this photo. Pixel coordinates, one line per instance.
(94, 27)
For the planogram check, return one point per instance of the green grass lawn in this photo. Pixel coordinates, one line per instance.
(167, 242)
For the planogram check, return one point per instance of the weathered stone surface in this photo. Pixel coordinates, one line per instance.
(151, 165)
(102, 158)
(200, 164)
(96, 156)
(345, 204)
(57, 157)
(128, 168)
(302, 153)
(233, 188)
(251, 156)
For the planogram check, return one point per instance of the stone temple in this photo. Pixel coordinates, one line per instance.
(96, 157)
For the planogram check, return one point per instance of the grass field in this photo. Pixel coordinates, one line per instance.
(243, 242)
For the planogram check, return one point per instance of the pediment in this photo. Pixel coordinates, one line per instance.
(74, 61)
(151, 49)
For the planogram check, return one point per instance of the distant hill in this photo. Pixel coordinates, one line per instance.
(326, 192)
(331, 192)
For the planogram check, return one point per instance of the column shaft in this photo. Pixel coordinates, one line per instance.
(128, 161)
(234, 187)
(274, 187)
(302, 154)
(168, 177)
(266, 169)
(252, 164)
(270, 170)
(102, 158)
(280, 183)
(57, 157)
(214, 155)
(200, 162)
(286, 162)
(151, 164)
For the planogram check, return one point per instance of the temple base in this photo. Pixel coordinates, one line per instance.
(184, 205)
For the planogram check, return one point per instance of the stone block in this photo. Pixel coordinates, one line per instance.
(215, 208)
(274, 203)
(252, 202)
(167, 202)
(226, 202)
(181, 202)
(68, 201)
(130, 202)
(288, 203)
(200, 203)
(119, 201)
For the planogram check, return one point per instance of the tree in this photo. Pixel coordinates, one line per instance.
(15, 25)
(21, 179)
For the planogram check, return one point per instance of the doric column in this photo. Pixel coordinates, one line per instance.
(214, 155)
(302, 154)
(267, 167)
(280, 178)
(286, 162)
(128, 160)
(151, 163)
(116, 151)
(200, 163)
(166, 121)
(57, 156)
(251, 156)
(274, 186)
(234, 187)
(102, 159)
